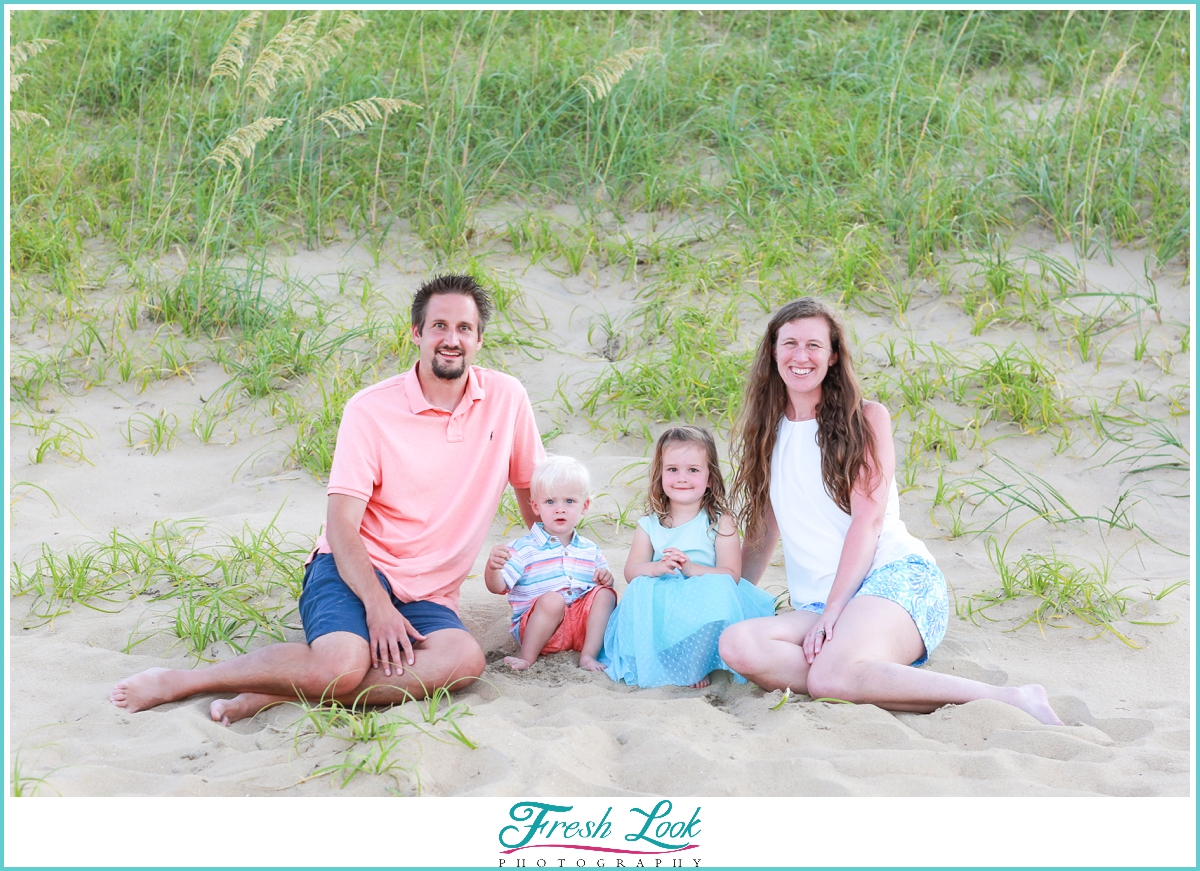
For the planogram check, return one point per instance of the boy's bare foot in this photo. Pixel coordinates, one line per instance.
(1032, 699)
(146, 689)
(590, 663)
(226, 711)
(702, 683)
(516, 663)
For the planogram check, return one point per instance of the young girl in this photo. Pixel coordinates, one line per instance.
(683, 570)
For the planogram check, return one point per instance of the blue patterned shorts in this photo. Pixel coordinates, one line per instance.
(916, 585)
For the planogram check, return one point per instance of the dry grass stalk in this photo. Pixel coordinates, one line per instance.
(600, 81)
(233, 53)
(360, 114)
(240, 144)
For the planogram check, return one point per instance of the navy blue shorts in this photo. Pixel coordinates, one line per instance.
(328, 605)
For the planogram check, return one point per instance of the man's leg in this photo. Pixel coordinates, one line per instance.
(335, 663)
(449, 658)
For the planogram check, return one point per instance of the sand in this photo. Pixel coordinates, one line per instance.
(556, 730)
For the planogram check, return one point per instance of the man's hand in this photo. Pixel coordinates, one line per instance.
(603, 577)
(390, 632)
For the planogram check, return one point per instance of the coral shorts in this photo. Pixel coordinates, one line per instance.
(570, 633)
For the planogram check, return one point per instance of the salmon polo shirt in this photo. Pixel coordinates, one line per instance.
(432, 478)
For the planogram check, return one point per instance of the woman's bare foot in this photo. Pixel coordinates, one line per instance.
(702, 683)
(516, 663)
(226, 711)
(590, 663)
(1032, 699)
(146, 689)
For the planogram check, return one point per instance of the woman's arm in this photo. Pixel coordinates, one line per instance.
(868, 504)
(729, 553)
(757, 549)
(640, 557)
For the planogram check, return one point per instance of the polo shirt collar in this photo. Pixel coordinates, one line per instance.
(418, 403)
(545, 540)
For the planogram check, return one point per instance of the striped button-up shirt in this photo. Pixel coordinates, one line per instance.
(541, 564)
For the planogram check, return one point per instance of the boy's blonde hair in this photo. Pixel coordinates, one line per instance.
(565, 475)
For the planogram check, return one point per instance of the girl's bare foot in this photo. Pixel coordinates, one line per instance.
(1032, 699)
(590, 663)
(516, 663)
(702, 683)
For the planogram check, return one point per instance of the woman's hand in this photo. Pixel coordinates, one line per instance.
(816, 637)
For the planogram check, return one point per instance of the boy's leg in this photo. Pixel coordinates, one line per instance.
(603, 603)
(545, 616)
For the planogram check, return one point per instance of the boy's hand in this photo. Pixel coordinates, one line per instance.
(603, 577)
(498, 558)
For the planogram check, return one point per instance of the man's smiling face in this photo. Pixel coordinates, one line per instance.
(449, 338)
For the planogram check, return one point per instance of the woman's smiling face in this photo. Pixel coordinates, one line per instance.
(803, 354)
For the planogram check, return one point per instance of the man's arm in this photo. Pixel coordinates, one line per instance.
(388, 628)
(525, 506)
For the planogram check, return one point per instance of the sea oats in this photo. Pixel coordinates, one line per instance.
(281, 55)
(240, 144)
(329, 46)
(360, 114)
(233, 53)
(600, 81)
(23, 51)
(20, 119)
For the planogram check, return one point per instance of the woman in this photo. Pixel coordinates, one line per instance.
(817, 465)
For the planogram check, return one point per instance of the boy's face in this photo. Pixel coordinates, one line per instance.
(560, 512)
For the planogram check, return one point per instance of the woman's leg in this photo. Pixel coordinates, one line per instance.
(867, 660)
(766, 650)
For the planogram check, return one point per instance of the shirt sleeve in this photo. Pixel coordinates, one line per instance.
(527, 448)
(355, 469)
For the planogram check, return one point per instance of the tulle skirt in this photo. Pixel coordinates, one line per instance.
(666, 629)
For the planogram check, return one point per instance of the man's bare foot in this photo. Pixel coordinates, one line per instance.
(516, 663)
(146, 689)
(226, 711)
(702, 683)
(590, 663)
(1032, 699)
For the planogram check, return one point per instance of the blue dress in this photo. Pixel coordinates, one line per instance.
(665, 629)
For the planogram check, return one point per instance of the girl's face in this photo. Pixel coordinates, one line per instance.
(803, 354)
(684, 472)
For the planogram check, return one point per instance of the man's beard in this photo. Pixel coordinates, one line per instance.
(447, 370)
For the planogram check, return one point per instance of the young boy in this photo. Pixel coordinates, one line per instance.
(557, 581)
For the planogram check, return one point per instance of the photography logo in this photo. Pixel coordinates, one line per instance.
(633, 837)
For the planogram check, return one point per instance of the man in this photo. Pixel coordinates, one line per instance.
(420, 463)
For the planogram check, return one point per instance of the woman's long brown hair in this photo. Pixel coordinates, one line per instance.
(843, 435)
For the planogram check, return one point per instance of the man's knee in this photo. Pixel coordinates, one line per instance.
(337, 666)
(464, 661)
(551, 604)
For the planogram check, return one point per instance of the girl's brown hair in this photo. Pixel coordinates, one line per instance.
(714, 501)
(843, 434)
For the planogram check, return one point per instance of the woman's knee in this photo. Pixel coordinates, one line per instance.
(829, 680)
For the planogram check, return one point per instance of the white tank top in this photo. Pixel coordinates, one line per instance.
(811, 524)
